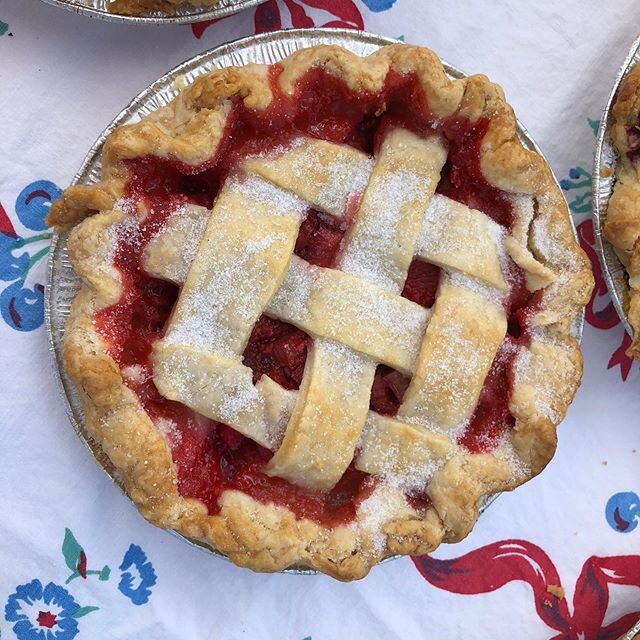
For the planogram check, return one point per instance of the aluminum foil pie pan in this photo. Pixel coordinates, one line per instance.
(603, 181)
(182, 15)
(63, 283)
(633, 633)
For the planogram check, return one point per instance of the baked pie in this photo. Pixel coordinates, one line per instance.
(325, 308)
(141, 7)
(622, 227)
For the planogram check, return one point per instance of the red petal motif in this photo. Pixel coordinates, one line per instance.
(199, 28)
(345, 10)
(267, 17)
(491, 567)
(6, 226)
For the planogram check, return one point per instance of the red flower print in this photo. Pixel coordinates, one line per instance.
(600, 312)
(6, 226)
(46, 619)
(82, 565)
(346, 12)
(199, 28)
(490, 568)
(619, 357)
(269, 15)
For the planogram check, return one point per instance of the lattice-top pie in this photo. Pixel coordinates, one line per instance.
(141, 7)
(325, 308)
(622, 227)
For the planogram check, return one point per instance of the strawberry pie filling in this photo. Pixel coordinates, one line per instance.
(212, 458)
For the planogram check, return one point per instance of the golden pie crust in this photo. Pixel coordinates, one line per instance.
(622, 226)
(141, 7)
(265, 537)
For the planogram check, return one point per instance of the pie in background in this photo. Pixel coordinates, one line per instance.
(142, 7)
(622, 226)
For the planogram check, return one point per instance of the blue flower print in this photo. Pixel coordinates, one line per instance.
(379, 5)
(22, 301)
(623, 511)
(12, 266)
(33, 203)
(21, 307)
(42, 613)
(137, 588)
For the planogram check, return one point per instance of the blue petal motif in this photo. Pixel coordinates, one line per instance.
(60, 597)
(64, 628)
(12, 267)
(135, 557)
(623, 511)
(379, 5)
(32, 205)
(28, 593)
(22, 308)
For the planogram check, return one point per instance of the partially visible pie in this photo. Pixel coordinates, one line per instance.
(326, 308)
(140, 7)
(622, 227)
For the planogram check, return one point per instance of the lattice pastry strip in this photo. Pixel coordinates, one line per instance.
(463, 336)
(456, 237)
(239, 266)
(388, 446)
(321, 173)
(381, 241)
(363, 316)
(222, 389)
(331, 410)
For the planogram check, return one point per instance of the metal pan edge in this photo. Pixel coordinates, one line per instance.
(97, 9)
(633, 633)
(62, 282)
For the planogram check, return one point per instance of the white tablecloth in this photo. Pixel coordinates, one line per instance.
(63, 78)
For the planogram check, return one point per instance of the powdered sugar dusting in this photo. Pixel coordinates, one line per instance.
(374, 240)
(126, 205)
(330, 304)
(493, 295)
(204, 312)
(348, 363)
(284, 202)
(382, 506)
(327, 174)
(464, 240)
(135, 373)
(506, 452)
(407, 464)
(291, 301)
(458, 356)
(548, 237)
(346, 180)
(526, 372)
(395, 321)
(173, 248)
(169, 430)
(219, 390)
(225, 288)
